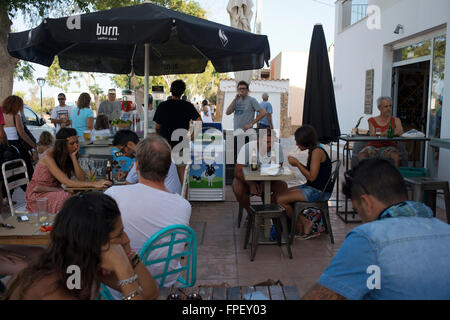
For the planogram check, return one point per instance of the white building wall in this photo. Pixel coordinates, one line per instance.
(294, 66)
(357, 49)
(274, 88)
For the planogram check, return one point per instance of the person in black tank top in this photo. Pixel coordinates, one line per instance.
(317, 173)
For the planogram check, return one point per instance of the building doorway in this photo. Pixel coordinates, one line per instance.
(410, 91)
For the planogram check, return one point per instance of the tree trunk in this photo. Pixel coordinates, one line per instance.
(7, 63)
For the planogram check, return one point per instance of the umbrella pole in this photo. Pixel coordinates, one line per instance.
(147, 67)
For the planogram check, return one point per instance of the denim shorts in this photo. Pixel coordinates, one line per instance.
(312, 194)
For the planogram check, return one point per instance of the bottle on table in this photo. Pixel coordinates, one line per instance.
(254, 161)
(390, 132)
(109, 174)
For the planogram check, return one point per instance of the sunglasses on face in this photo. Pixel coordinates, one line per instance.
(61, 98)
(242, 88)
(123, 148)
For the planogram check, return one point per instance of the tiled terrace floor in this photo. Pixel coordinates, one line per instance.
(222, 259)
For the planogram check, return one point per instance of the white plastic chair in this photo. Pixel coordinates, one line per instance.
(11, 169)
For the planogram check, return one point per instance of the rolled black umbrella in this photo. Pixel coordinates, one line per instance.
(319, 108)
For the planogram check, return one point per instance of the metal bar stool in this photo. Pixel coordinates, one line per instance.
(429, 186)
(257, 214)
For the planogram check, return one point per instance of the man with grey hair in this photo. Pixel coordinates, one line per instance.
(266, 122)
(147, 207)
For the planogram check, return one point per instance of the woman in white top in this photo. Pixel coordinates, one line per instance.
(11, 106)
(101, 128)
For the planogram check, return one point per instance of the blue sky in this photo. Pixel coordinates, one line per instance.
(287, 23)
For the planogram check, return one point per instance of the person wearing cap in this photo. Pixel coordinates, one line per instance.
(266, 122)
(110, 107)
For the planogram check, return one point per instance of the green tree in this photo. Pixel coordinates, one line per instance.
(35, 10)
(205, 83)
(20, 94)
(59, 78)
(24, 71)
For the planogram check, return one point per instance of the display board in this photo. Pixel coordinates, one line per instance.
(207, 171)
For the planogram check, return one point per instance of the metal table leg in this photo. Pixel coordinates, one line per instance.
(345, 212)
(267, 185)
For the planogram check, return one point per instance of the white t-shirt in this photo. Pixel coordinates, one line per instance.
(101, 133)
(207, 118)
(246, 152)
(145, 211)
(172, 181)
(59, 111)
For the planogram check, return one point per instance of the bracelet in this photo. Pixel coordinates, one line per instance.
(133, 294)
(128, 281)
(135, 261)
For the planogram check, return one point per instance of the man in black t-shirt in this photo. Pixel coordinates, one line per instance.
(175, 114)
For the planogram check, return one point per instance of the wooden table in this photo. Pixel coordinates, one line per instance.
(249, 175)
(285, 174)
(274, 292)
(348, 139)
(26, 233)
(80, 189)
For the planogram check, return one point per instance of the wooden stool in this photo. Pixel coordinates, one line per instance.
(266, 211)
(429, 186)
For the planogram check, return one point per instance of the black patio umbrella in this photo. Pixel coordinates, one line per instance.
(112, 41)
(145, 39)
(319, 108)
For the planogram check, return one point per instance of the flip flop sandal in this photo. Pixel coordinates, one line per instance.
(310, 236)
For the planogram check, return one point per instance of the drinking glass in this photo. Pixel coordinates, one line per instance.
(42, 211)
(378, 132)
(87, 135)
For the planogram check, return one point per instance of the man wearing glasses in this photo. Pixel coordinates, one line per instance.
(111, 107)
(60, 113)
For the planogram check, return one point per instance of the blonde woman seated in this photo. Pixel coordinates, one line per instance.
(380, 124)
(56, 167)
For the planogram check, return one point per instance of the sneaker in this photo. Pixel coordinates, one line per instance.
(310, 236)
(299, 235)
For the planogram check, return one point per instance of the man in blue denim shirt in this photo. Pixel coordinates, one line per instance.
(400, 252)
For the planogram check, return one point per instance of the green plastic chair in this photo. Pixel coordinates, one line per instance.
(104, 293)
(168, 238)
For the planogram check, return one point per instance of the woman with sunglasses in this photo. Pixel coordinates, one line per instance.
(88, 246)
(55, 168)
